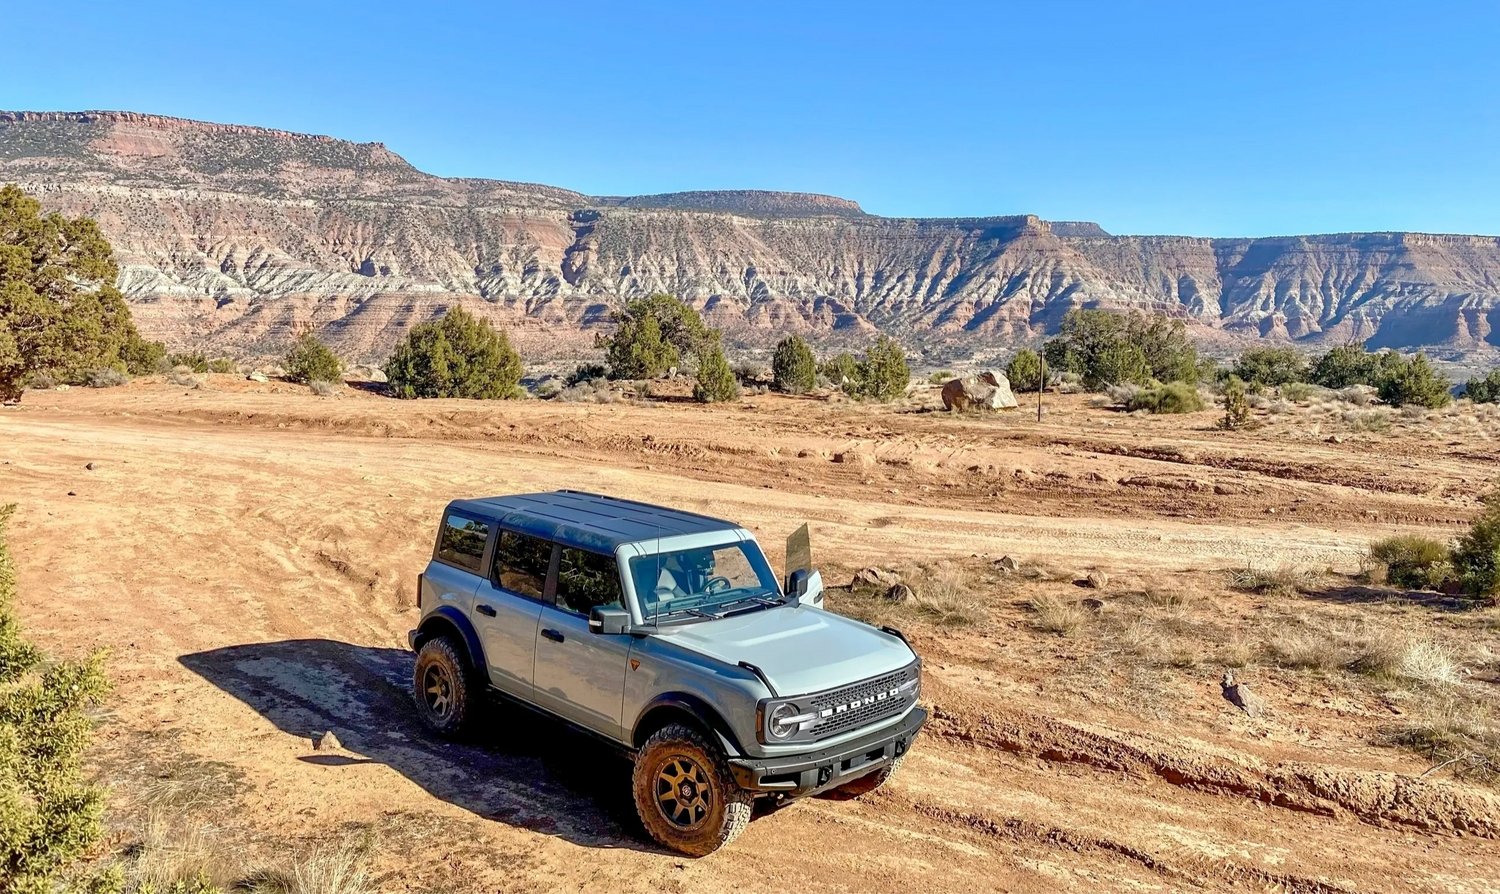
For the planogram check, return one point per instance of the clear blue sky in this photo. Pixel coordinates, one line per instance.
(1199, 118)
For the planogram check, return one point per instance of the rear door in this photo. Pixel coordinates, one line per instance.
(507, 606)
(457, 564)
(581, 675)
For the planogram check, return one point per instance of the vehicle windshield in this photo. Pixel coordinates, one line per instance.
(708, 581)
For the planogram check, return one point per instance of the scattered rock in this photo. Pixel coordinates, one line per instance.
(1092, 605)
(1239, 695)
(89, 466)
(1095, 580)
(72, 493)
(1335, 439)
(899, 593)
(258, 377)
(1227, 490)
(988, 390)
(1007, 565)
(855, 457)
(326, 741)
(61, 388)
(874, 577)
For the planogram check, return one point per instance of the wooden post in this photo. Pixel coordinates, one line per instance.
(1041, 385)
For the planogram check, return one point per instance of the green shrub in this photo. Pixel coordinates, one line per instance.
(458, 355)
(1298, 391)
(1343, 366)
(716, 382)
(1025, 371)
(194, 361)
(1106, 348)
(1414, 382)
(1271, 366)
(105, 378)
(841, 370)
(1173, 397)
(1413, 561)
(309, 360)
(1476, 555)
(653, 335)
(794, 370)
(883, 373)
(1485, 390)
(225, 365)
(1236, 405)
(48, 815)
(142, 357)
(586, 372)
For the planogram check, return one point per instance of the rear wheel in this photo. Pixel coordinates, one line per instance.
(865, 784)
(684, 793)
(445, 688)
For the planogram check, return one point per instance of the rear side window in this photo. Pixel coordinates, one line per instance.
(586, 580)
(463, 542)
(521, 563)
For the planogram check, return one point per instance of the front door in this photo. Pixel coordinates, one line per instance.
(506, 609)
(581, 675)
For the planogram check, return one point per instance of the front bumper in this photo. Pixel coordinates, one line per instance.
(796, 775)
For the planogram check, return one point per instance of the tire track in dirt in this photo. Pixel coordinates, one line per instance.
(1377, 798)
(1016, 829)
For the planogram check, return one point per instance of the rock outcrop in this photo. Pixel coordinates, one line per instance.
(233, 237)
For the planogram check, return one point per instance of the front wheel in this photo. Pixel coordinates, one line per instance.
(685, 795)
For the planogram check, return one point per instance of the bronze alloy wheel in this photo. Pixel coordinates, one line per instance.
(683, 793)
(445, 687)
(437, 690)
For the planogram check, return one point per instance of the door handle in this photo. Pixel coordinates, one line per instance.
(485, 610)
(554, 635)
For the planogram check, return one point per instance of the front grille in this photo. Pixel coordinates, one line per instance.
(863, 703)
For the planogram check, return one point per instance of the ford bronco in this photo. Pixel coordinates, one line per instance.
(667, 635)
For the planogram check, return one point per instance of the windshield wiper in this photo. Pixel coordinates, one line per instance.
(761, 601)
(687, 611)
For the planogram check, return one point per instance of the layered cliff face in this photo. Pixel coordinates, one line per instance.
(232, 237)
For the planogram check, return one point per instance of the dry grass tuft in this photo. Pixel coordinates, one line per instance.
(328, 869)
(1284, 581)
(945, 594)
(179, 856)
(1459, 736)
(1052, 614)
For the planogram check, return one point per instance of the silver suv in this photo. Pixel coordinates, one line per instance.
(666, 634)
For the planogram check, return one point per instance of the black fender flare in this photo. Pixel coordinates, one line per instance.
(692, 705)
(447, 620)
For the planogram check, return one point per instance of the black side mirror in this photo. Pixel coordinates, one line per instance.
(796, 583)
(607, 619)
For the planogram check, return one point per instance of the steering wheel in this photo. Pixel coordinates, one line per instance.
(717, 585)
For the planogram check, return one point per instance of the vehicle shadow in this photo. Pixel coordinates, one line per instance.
(1359, 594)
(517, 767)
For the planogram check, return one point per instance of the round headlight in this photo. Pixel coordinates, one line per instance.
(783, 722)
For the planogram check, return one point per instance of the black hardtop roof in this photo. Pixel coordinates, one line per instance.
(589, 521)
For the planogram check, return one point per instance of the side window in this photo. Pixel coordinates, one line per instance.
(463, 541)
(585, 580)
(521, 563)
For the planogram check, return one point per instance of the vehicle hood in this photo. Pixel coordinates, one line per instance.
(800, 649)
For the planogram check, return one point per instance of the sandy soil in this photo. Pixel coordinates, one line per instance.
(247, 555)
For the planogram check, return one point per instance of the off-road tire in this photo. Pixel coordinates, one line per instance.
(865, 784)
(445, 687)
(681, 752)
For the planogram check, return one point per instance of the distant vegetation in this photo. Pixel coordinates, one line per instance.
(654, 335)
(716, 382)
(61, 317)
(310, 361)
(458, 355)
(794, 370)
(1105, 348)
(1025, 371)
(1471, 564)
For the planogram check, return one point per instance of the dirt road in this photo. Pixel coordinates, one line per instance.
(248, 560)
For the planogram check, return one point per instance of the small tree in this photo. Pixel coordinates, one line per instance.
(308, 361)
(1117, 364)
(1414, 382)
(1476, 555)
(842, 370)
(793, 367)
(1271, 367)
(1485, 390)
(1236, 405)
(458, 355)
(716, 382)
(1343, 366)
(60, 313)
(1025, 371)
(653, 335)
(48, 815)
(884, 373)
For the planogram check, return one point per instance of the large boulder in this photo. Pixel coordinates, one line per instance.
(988, 390)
